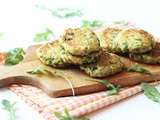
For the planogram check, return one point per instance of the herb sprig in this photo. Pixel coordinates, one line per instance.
(137, 68)
(10, 107)
(45, 70)
(66, 12)
(91, 24)
(39, 70)
(111, 89)
(44, 36)
(14, 56)
(62, 12)
(1, 34)
(151, 92)
(67, 116)
(122, 22)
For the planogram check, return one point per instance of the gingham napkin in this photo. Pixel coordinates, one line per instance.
(77, 105)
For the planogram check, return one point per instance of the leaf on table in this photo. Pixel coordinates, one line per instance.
(91, 24)
(39, 70)
(67, 116)
(137, 68)
(44, 36)
(1, 34)
(10, 107)
(151, 92)
(111, 89)
(62, 12)
(122, 22)
(66, 12)
(45, 70)
(14, 56)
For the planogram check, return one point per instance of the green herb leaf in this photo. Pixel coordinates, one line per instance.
(111, 89)
(137, 68)
(39, 70)
(66, 12)
(122, 22)
(14, 56)
(62, 12)
(10, 108)
(43, 36)
(91, 24)
(45, 70)
(1, 34)
(151, 92)
(67, 116)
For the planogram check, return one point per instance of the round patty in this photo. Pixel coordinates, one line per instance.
(148, 58)
(107, 37)
(80, 41)
(51, 54)
(134, 41)
(107, 64)
(54, 55)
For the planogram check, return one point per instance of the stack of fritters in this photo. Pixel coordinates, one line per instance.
(81, 47)
(67, 51)
(138, 44)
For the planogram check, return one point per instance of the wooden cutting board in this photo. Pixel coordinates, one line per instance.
(58, 87)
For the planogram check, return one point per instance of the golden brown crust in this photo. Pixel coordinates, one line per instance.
(107, 64)
(80, 41)
(54, 55)
(134, 41)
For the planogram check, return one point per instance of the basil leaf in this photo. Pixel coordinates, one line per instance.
(137, 68)
(14, 56)
(91, 24)
(10, 108)
(43, 36)
(151, 92)
(67, 116)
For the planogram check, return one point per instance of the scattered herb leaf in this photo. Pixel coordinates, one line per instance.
(151, 92)
(122, 22)
(66, 12)
(45, 70)
(43, 36)
(1, 34)
(10, 107)
(14, 56)
(39, 70)
(67, 116)
(111, 89)
(137, 68)
(91, 24)
(62, 12)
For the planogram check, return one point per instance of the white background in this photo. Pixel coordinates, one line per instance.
(20, 20)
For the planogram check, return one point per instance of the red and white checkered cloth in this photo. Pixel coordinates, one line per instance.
(77, 105)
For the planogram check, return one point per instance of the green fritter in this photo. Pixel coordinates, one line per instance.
(51, 54)
(134, 41)
(107, 37)
(54, 55)
(152, 57)
(107, 64)
(80, 41)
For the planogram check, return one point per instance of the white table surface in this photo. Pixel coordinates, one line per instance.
(20, 20)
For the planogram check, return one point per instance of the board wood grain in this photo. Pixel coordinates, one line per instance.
(57, 86)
